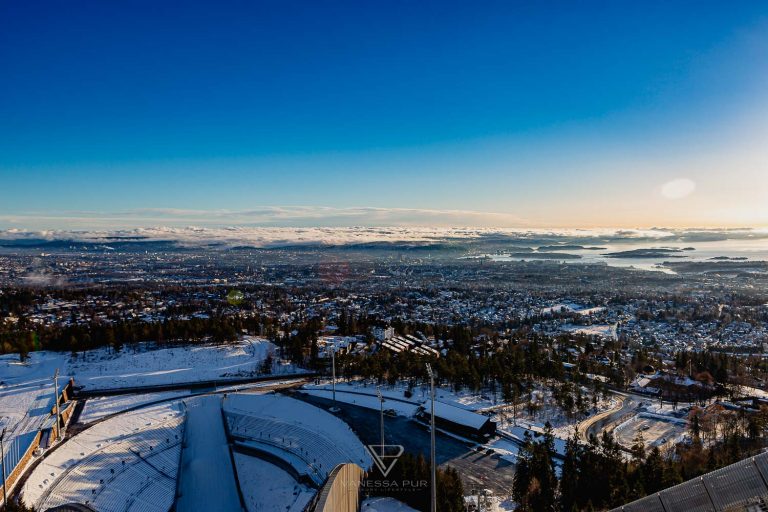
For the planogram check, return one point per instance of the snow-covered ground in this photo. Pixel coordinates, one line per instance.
(101, 369)
(367, 401)
(125, 463)
(506, 449)
(518, 433)
(666, 409)
(420, 394)
(571, 307)
(26, 390)
(267, 488)
(310, 439)
(27, 394)
(102, 406)
(750, 391)
(602, 330)
(26, 400)
(489, 503)
(382, 504)
(99, 407)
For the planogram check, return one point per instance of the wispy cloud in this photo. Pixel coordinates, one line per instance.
(288, 216)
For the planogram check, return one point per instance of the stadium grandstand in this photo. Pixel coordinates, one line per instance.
(281, 429)
(122, 464)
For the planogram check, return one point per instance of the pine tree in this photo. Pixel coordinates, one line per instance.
(569, 480)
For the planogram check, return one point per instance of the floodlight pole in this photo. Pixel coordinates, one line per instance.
(2, 459)
(333, 374)
(56, 401)
(433, 501)
(381, 403)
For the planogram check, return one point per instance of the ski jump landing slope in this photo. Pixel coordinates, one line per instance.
(207, 475)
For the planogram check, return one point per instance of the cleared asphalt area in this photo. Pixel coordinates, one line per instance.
(655, 432)
(478, 470)
(481, 471)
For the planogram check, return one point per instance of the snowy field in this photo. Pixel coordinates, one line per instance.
(102, 370)
(505, 448)
(571, 307)
(601, 330)
(125, 463)
(367, 401)
(26, 400)
(267, 488)
(420, 394)
(26, 390)
(100, 407)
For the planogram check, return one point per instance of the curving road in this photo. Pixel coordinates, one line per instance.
(604, 421)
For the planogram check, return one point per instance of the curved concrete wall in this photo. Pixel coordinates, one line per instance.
(341, 492)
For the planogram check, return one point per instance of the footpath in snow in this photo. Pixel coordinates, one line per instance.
(207, 475)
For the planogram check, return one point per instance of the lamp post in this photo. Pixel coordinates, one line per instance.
(2, 459)
(333, 408)
(56, 401)
(333, 374)
(433, 506)
(381, 403)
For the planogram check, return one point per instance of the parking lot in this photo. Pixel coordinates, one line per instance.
(655, 431)
(478, 469)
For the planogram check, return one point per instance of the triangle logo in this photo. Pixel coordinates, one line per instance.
(385, 456)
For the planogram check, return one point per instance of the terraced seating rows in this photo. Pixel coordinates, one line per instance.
(134, 471)
(319, 453)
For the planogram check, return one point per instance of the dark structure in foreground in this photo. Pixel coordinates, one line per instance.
(740, 487)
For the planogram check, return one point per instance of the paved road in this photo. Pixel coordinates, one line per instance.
(631, 403)
(477, 469)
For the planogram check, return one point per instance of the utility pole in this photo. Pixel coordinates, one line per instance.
(381, 403)
(433, 504)
(333, 379)
(56, 401)
(2, 458)
(333, 373)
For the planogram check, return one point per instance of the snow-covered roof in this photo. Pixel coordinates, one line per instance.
(456, 414)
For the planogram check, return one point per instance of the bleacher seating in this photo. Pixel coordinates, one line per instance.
(318, 453)
(137, 472)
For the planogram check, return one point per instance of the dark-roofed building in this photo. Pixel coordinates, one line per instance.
(459, 421)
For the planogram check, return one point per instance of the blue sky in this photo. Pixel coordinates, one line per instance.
(539, 114)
